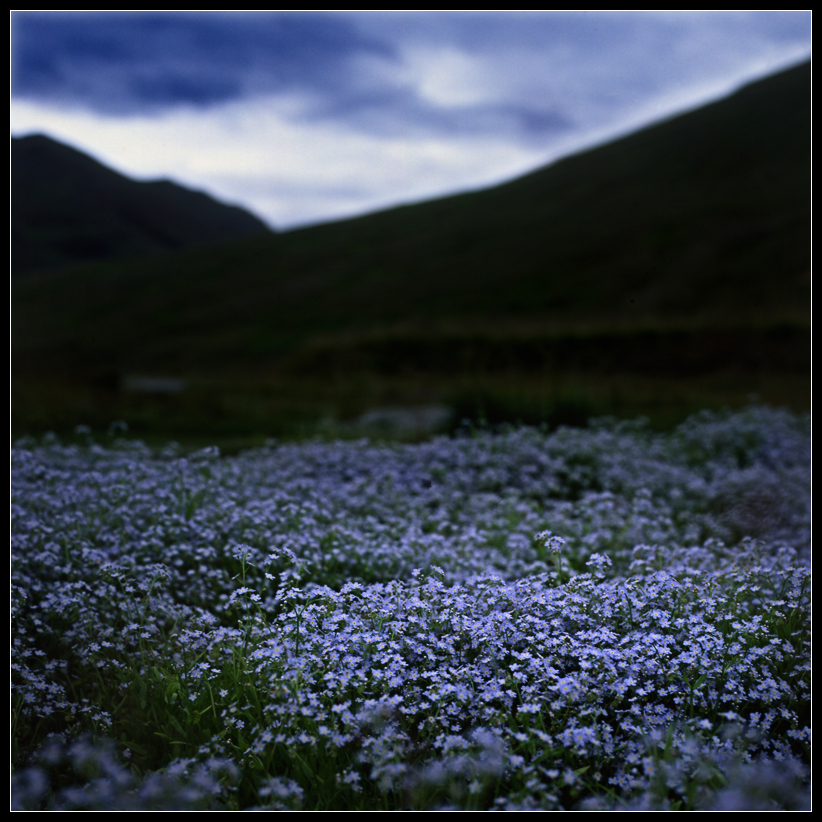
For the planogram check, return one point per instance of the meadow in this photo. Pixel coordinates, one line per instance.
(508, 618)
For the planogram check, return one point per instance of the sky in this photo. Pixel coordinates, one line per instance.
(305, 117)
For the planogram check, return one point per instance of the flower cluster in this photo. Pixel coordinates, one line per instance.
(514, 619)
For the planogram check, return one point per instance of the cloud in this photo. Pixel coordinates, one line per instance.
(284, 169)
(310, 116)
(453, 72)
(142, 63)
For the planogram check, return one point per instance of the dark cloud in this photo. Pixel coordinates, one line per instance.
(131, 63)
(480, 32)
(128, 63)
(549, 70)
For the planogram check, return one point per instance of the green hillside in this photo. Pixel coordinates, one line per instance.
(667, 262)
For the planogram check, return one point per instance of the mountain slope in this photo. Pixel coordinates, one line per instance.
(68, 208)
(678, 252)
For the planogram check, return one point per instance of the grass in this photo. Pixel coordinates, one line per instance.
(327, 393)
(679, 252)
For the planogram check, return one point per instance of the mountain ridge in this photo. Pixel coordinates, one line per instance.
(68, 207)
(691, 236)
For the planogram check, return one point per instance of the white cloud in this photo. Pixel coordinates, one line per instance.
(447, 77)
(288, 172)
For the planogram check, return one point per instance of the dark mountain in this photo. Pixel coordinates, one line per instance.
(678, 252)
(68, 208)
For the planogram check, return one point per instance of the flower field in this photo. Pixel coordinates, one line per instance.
(592, 618)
